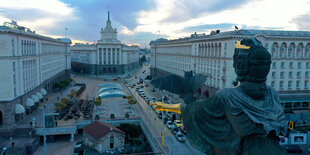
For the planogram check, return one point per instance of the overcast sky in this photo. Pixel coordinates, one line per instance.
(140, 21)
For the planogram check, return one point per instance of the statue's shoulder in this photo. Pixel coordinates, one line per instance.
(224, 93)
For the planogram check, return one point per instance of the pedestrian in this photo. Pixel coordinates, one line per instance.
(13, 144)
(56, 123)
(30, 124)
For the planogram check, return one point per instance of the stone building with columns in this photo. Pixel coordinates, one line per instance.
(30, 65)
(107, 56)
(212, 54)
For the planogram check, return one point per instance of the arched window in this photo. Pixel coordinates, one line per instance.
(220, 50)
(212, 49)
(205, 50)
(274, 50)
(299, 50)
(282, 50)
(307, 51)
(215, 50)
(291, 50)
(209, 49)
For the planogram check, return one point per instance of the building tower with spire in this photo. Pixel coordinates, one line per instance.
(108, 34)
(108, 56)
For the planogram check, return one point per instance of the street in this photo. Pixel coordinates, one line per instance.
(151, 118)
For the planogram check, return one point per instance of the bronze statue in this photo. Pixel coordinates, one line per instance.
(246, 119)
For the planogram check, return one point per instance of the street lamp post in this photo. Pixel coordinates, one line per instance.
(44, 131)
(162, 129)
(3, 150)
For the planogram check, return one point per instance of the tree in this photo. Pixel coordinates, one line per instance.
(59, 106)
(97, 117)
(126, 115)
(143, 58)
(72, 93)
(132, 101)
(129, 97)
(65, 100)
(97, 102)
(112, 116)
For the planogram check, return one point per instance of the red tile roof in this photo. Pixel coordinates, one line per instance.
(98, 129)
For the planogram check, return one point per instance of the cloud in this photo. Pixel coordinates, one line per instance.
(182, 10)
(303, 22)
(204, 27)
(141, 38)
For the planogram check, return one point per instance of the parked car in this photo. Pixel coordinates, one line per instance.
(141, 86)
(293, 149)
(153, 90)
(135, 77)
(138, 82)
(134, 84)
(153, 99)
(169, 124)
(146, 85)
(169, 114)
(175, 130)
(179, 136)
(159, 99)
(170, 102)
(165, 98)
(148, 101)
(129, 85)
(182, 128)
(160, 114)
(178, 123)
(166, 120)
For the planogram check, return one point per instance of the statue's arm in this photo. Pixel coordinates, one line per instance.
(160, 106)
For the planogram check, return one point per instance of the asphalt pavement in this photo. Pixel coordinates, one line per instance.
(155, 123)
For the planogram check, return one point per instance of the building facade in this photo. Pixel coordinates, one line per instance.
(107, 56)
(212, 54)
(30, 65)
(103, 136)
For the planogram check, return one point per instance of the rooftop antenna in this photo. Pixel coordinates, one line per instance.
(108, 10)
(66, 29)
(158, 34)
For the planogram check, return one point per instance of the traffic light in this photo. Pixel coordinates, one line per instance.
(291, 125)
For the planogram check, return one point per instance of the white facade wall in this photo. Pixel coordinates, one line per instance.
(213, 58)
(27, 60)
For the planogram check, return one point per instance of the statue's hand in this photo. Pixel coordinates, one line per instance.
(158, 106)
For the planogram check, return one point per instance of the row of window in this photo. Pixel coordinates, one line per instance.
(28, 47)
(107, 59)
(291, 65)
(290, 51)
(29, 74)
(289, 84)
(290, 74)
(210, 50)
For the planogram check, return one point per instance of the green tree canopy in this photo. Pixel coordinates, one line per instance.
(112, 116)
(143, 58)
(132, 101)
(97, 102)
(65, 100)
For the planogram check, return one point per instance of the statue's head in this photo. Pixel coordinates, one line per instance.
(251, 61)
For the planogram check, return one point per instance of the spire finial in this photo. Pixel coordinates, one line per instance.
(108, 15)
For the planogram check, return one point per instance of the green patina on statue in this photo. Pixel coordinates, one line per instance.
(246, 119)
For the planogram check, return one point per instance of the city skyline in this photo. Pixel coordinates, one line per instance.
(139, 22)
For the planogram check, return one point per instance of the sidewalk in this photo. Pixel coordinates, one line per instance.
(49, 108)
